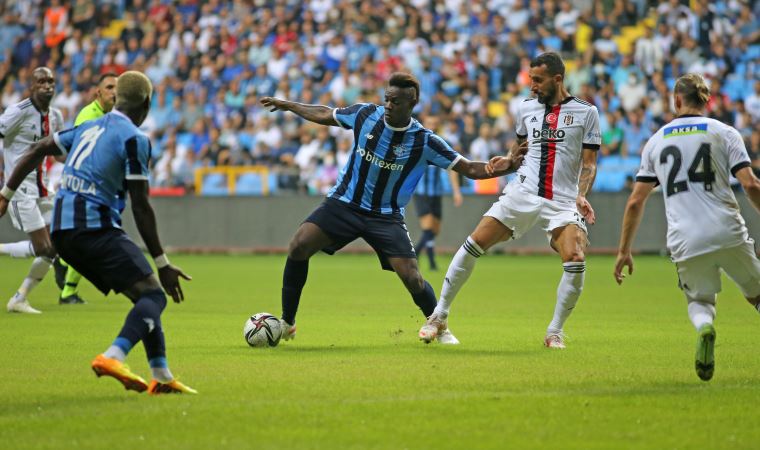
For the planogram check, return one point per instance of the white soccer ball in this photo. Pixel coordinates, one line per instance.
(262, 330)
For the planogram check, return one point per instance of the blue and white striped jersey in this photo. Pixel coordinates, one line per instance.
(101, 155)
(386, 163)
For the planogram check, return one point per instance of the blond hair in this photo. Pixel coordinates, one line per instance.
(132, 89)
(693, 89)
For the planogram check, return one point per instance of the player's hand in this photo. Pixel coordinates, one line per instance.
(457, 199)
(584, 207)
(275, 104)
(497, 165)
(169, 276)
(3, 205)
(623, 260)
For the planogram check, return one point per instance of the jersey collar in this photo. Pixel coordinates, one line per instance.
(399, 129)
(97, 105)
(683, 116)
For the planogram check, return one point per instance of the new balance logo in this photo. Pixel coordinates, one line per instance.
(368, 136)
(151, 324)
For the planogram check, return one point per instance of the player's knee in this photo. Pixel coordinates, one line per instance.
(299, 249)
(413, 281)
(575, 256)
(157, 299)
(44, 251)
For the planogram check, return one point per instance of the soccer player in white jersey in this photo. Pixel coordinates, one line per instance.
(692, 158)
(21, 125)
(550, 189)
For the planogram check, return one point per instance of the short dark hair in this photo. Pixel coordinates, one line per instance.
(107, 75)
(405, 80)
(552, 61)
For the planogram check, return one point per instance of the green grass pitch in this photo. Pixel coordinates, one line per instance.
(357, 377)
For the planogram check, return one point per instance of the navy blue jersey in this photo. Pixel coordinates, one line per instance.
(433, 182)
(386, 162)
(100, 156)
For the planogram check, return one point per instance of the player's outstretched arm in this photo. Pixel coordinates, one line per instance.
(145, 219)
(751, 185)
(320, 114)
(634, 210)
(585, 182)
(28, 162)
(497, 166)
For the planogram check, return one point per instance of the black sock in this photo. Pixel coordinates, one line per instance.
(144, 319)
(422, 243)
(430, 249)
(293, 280)
(426, 300)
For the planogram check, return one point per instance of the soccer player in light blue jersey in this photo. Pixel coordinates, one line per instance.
(103, 157)
(390, 154)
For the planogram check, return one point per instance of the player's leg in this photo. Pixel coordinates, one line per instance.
(43, 248)
(21, 249)
(743, 268)
(308, 240)
(70, 291)
(426, 244)
(699, 279)
(570, 242)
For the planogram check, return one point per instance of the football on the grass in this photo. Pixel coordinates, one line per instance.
(262, 330)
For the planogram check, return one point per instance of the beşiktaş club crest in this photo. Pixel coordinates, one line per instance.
(400, 151)
(568, 120)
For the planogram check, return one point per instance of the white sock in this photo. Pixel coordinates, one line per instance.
(701, 313)
(458, 272)
(162, 374)
(115, 352)
(568, 291)
(23, 249)
(37, 271)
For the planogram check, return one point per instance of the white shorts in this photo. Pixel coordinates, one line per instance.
(519, 211)
(699, 277)
(31, 214)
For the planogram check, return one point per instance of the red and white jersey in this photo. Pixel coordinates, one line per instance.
(556, 137)
(693, 157)
(21, 125)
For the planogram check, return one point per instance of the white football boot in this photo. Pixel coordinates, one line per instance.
(437, 327)
(21, 305)
(554, 340)
(288, 331)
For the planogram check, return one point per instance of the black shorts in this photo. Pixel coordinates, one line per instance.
(428, 204)
(386, 234)
(106, 257)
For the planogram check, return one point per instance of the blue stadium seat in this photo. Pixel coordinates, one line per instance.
(273, 183)
(610, 181)
(249, 184)
(214, 184)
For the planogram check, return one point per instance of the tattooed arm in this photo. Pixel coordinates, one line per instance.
(588, 174)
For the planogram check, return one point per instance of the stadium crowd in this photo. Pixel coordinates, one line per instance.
(211, 61)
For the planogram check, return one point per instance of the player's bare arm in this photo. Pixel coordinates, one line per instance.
(32, 159)
(456, 191)
(320, 114)
(145, 219)
(585, 182)
(751, 185)
(634, 211)
(513, 159)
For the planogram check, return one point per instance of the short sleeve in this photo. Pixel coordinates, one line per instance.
(520, 129)
(137, 150)
(10, 120)
(346, 117)
(592, 137)
(738, 157)
(439, 153)
(64, 140)
(646, 173)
